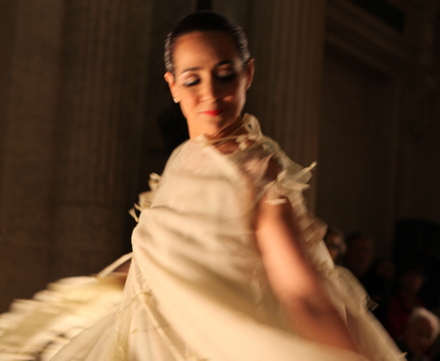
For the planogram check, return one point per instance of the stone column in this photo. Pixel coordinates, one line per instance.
(101, 122)
(287, 40)
(30, 44)
(417, 197)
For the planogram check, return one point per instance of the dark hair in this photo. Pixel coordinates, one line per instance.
(204, 21)
(335, 231)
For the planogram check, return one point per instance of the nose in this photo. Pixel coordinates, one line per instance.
(211, 89)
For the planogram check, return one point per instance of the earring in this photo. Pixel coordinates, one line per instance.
(248, 86)
(176, 100)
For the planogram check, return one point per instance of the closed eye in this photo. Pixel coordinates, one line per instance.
(227, 77)
(191, 82)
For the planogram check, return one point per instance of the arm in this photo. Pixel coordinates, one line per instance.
(294, 281)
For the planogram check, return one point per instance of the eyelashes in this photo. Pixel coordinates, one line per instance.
(225, 78)
(191, 83)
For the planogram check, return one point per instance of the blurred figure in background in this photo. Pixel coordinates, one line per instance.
(378, 281)
(405, 299)
(335, 242)
(420, 333)
(359, 254)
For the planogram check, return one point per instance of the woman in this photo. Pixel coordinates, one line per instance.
(227, 264)
(335, 243)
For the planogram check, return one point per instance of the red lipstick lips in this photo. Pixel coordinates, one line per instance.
(213, 112)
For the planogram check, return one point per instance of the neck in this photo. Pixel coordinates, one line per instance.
(236, 127)
(233, 129)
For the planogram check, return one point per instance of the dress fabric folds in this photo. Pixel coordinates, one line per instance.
(197, 289)
(36, 329)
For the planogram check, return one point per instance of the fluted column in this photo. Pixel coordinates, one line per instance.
(29, 91)
(101, 119)
(419, 144)
(287, 40)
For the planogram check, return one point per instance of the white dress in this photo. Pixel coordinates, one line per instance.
(197, 290)
(36, 329)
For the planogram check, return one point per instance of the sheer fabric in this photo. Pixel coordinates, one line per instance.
(36, 329)
(197, 289)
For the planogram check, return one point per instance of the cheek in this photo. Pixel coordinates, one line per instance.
(187, 100)
(236, 90)
(239, 95)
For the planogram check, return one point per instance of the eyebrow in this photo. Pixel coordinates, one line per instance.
(220, 63)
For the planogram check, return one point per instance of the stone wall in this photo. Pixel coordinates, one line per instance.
(82, 88)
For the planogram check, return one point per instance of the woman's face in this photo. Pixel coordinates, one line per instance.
(210, 82)
(335, 244)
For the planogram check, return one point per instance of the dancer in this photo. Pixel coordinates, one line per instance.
(228, 265)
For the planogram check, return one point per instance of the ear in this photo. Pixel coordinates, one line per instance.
(250, 69)
(169, 77)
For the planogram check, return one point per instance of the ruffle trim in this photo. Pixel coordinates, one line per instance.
(146, 198)
(36, 329)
